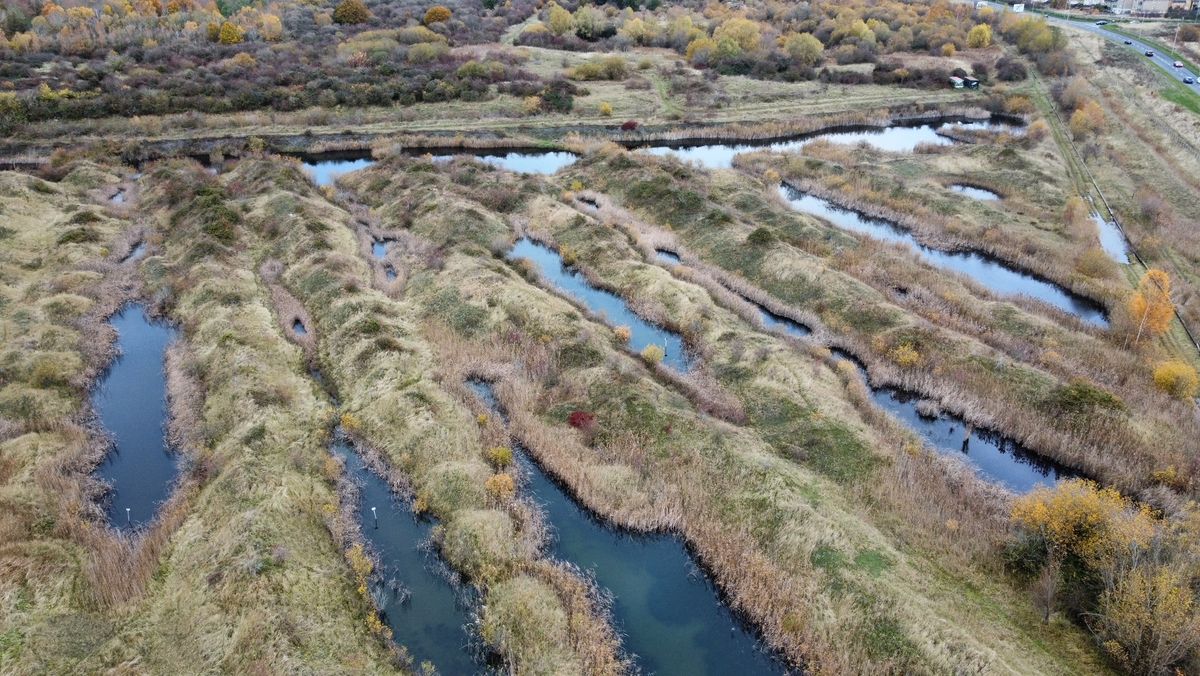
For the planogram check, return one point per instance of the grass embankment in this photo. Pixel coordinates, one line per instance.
(990, 361)
(535, 614)
(57, 246)
(1029, 234)
(1146, 163)
(775, 507)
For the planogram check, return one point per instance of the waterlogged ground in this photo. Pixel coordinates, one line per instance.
(667, 610)
(131, 403)
(427, 612)
(987, 271)
(611, 307)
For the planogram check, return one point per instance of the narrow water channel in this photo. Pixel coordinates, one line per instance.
(899, 137)
(668, 612)
(606, 304)
(131, 402)
(427, 612)
(893, 138)
(987, 271)
(995, 457)
(1112, 240)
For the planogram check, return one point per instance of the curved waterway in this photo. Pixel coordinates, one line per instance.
(900, 137)
(131, 402)
(428, 614)
(668, 612)
(993, 456)
(611, 307)
(987, 271)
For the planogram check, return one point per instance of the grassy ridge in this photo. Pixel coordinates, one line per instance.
(654, 462)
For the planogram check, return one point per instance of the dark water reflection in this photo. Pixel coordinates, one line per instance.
(989, 272)
(131, 402)
(671, 616)
(604, 303)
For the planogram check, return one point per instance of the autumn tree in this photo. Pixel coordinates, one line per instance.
(804, 48)
(230, 34)
(980, 36)
(272, 28)
(1150, 307)
(745, 33)
(1148, 621)
(559, 20)
(351, 12)
(1087, 119)
(437, 14)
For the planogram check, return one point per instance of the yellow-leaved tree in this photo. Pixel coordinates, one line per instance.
(1150, 306)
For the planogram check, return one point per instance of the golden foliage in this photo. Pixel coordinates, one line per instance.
(1148, 621)
(1078, 518)
(500, 487)
(230, 34)
(1150, 305)
(653, 354)
(1177, 378)
(606, 109)
(437, 14)
(500, 456)
(622, 333)
(905, 355)
(980, 36)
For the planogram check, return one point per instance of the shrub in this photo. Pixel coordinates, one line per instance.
(437, 14)
(230, 34)
(500, 487)
(1081, 398)
(760, 237)
(1088, 119)
(531, 105)
(622, 333)
(351, 12)
(1010, 69)
(426, 52)
(606, 109)
(1177, 378)
(949, 49)
(905, 355)
(79, 236)
(500, 456)
(653, 354)
(980, 36)
(607, 68)
(568, 255)
(581, 420)
(629, 125)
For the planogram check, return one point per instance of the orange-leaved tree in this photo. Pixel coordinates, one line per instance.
(1150, 306)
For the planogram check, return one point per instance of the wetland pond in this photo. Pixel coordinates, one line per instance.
(898, 137)
(605, 304)
(991, 273)
(994, 457)
(974, 192)
(130, 401)
(670, 615)
(420, 599)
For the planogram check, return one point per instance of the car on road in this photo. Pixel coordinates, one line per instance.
(1129, 42)
(1178, 64)
(1149, 53)
(1188, 80)
(1102, 22)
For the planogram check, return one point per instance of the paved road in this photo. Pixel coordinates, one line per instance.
(1166, 62)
